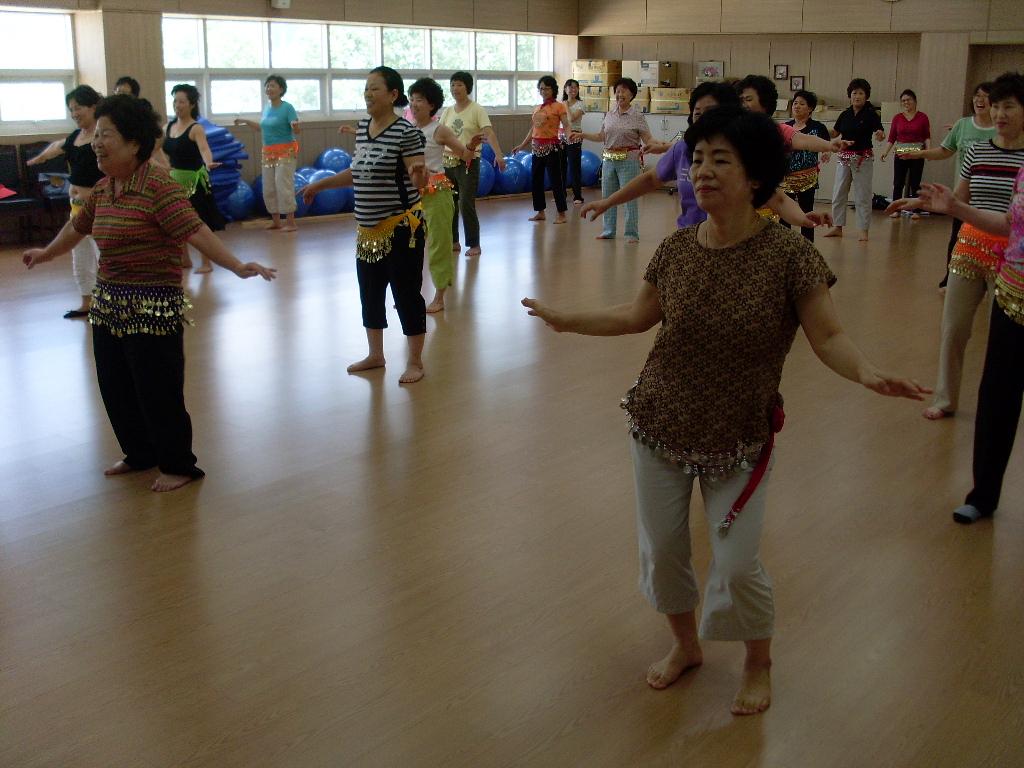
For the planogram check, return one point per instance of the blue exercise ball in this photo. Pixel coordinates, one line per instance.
(334, 159)
(486, 182)
(327, 201)
(527, 162)
(521, 155)
(487, 152)
(257, 189)
(512, 180)
(301, 209)
(590, 168)
(306, 172)
(348, 199)
(240, 202)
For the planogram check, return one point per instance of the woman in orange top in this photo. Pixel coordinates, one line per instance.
(547, 149)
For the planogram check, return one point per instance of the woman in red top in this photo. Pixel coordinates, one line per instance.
(910, 132)
(544, 141)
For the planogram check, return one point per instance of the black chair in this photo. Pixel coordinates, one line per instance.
(21, 207)
(49, 182)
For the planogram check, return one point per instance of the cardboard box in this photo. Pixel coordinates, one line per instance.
(669, 107)
(596, 104)
(655, 74)
(670, 94)
(596, 66)
(595, 92)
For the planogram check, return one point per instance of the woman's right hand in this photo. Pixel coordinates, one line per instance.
(34, 256)
(252, 269)
(308, 193)
(552, 318)
(347, 129)
(591, 211)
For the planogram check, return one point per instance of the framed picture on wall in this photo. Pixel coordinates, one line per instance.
(796, 83)
(710, 70)
(781, 71)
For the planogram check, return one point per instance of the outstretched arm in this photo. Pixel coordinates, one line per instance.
(641, 315)
(446, 137)
(793, 214)
(54, 149)
(66, 239)
(940, 199)
(199, 135)
(213, 248)
(643, 184)
(836, 350)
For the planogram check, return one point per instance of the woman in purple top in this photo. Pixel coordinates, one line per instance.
(673, 165)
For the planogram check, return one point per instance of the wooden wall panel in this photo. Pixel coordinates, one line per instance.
(156, 6)
(443, 13)
(715, 48)
(942, 16)
(601, 48)
(846, 16)
(321, 10)
(602, 17)
(875, 58)
(761, 16)
(640, 48)
(684, 17)
(678, 48)
(831, 68)
(134, 46)
(907, 54)
(942, 75)
(750, 56)
(507, 14)
(566, 50)
(795, 52)
(558, 16)
(383, 11)
(1005, 14)
(90, 51)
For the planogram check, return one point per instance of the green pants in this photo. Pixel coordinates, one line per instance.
(438, 209)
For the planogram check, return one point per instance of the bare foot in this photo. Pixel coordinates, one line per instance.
(367, 363)
(835, 232)
(435, 306)
(289, 228)
(538, 216)
(456, 247)
(119, 468)
(863, 238)
(204, 269)
(474, 251)
(755, 693)
(935, 414)
(274, 226)
(412, 374)
(894, 215)
(560, 218)
(632, 239)
(661, 674)
(603, 236)
(577, 202)
(169, 482)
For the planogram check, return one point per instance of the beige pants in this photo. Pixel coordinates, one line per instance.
(279, 187)
(84, 262)
(738, 601)
(962, 299)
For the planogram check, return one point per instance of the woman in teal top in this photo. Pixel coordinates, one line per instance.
(279, 125)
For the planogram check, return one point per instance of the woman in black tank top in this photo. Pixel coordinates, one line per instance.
(77, 148)
(191, 161)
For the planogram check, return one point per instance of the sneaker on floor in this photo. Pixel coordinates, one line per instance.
(966, 514)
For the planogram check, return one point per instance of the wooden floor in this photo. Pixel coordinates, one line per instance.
(445, 574)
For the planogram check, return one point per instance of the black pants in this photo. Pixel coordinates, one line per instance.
(142, 380)
(402, 269)
(466, 180)
(806, 201)
(953, 235)
(902, 170)
(552, 163)
(572, 160)
(999, 403)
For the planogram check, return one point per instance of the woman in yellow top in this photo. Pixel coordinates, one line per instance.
(543, 140)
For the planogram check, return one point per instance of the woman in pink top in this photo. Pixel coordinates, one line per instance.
(910, 132)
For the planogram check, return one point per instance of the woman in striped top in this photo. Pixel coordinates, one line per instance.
(140, 219)
(986, 183)
(387, 172)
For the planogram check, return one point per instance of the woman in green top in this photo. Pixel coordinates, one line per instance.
(279, 125)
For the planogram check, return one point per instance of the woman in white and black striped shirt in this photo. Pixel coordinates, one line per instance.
(986, 182)
(387, 171)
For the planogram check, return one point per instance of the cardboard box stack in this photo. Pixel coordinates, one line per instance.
(596, 98)
(653, 74)
(602, 72)
(670, 101)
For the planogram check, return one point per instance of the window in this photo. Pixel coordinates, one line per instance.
(326, 64)
(37, 68)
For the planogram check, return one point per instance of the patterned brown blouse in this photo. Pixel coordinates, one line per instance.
(704, 394)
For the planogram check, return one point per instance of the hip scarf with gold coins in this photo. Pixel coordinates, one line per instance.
(976, 253)
(854, 158)
(618, 153)
(903, 147)
(190, 181)
(273, 154)
(374, 243)
(795, 182)
(436, 183)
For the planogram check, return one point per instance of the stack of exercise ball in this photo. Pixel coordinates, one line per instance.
(226, 177)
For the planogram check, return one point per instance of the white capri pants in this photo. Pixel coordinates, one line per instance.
(963, 295)
(859, 175)
(85, 259)
(279, 186)
(738, 602)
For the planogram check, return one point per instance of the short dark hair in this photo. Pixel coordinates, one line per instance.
(131, 82)
(723, 94)
(859, 83)
(626, 82)
(550, 82)
(462, 77)
(910, 93)
(134, 119)
(1009, 85)
(279, 80)
(394, 82)
(767, 93)
(565, 88)
(84, 96)
(985, 86)
(754, 137)
(428, 88)
(191, 93)
(809, 96)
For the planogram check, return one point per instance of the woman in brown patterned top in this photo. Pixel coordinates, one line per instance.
(729, 294)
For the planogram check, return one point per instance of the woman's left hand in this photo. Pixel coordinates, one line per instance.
(839, 144)
(894, 386)
(213, 165)
(816, 219)
(545, 313)
(252, 269)
(35, 256)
